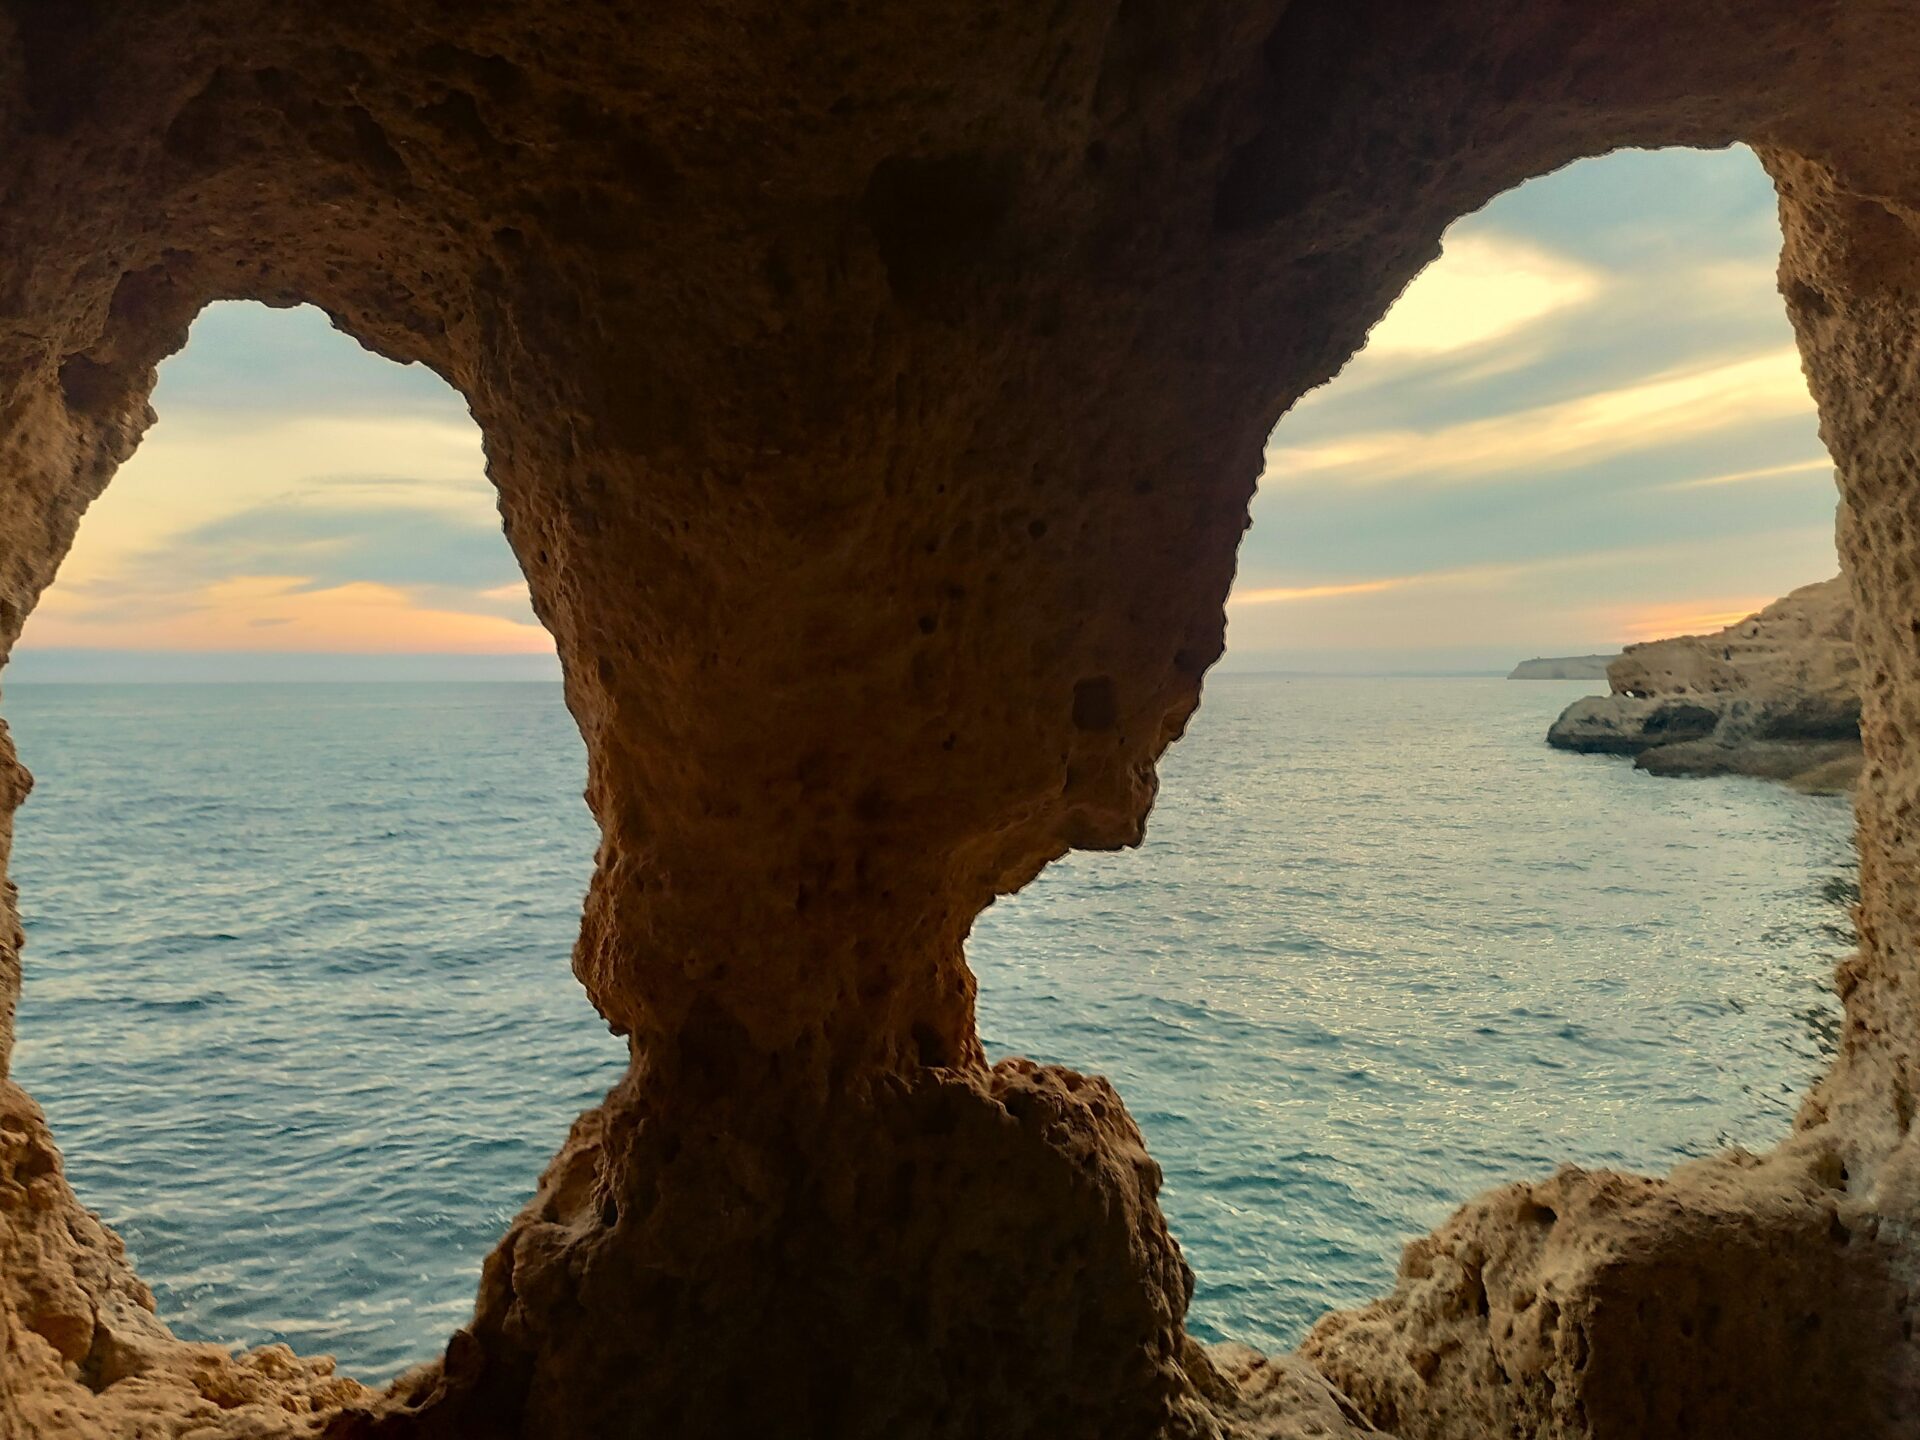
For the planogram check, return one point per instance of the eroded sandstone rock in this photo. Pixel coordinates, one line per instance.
(1735, 1297)
(874, 399)
(1776, 695)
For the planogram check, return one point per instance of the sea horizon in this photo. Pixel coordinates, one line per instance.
(175, 667)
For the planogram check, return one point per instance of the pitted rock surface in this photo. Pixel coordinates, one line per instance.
(874, 398)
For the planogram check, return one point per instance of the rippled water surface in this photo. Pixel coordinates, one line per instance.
(299, 1007)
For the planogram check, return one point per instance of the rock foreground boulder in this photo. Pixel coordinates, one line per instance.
(874, 395)
(1776, 695)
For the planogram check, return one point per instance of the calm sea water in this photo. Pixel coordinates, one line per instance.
(298, 999)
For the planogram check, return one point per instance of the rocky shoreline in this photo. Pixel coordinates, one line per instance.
(1775, 696)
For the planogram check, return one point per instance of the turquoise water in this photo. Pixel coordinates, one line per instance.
(298, 1000)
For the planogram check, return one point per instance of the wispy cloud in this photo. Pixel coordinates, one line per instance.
(1486, 576)
(299, 494)
(288, 612)
(1684, 617)
(1676, 405)
(1486, 286)
(1284, 594)
(1745, 477)
(1458, 576)
(302, 575)
(199, 469)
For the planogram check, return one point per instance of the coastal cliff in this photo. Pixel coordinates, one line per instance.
(1776, 695)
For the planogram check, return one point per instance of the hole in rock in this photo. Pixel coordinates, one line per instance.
(1384, 947)
(303, 863)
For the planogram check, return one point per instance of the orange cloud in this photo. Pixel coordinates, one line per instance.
(1281, 594)
(1683, 617)
(273, 612)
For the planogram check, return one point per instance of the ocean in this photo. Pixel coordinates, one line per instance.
(298, 1001)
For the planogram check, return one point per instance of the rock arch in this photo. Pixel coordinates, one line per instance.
(874, 403)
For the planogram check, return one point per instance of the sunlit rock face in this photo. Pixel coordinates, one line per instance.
(1775, 695)
(874, 399)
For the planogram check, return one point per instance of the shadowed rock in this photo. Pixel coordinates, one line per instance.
(874, 397)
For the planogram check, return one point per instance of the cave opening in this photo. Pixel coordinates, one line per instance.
(1338, 1008)
(792, 971)
(303, 862)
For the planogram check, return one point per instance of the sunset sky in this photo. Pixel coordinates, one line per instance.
(1585, 424)
(297, 494)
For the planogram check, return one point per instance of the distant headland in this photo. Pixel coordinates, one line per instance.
(1565, 667)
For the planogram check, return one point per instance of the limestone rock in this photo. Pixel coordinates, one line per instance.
(1630, 724)
(1799, 647)
(1276, 1397)
(1775, 695)
(1737, 1297)
(874, 397)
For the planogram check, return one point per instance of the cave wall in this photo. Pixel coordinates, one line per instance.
(874, 401)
